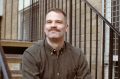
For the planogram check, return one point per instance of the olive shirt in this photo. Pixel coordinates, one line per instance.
(40, 62)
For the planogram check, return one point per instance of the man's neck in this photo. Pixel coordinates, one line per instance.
(55, 43)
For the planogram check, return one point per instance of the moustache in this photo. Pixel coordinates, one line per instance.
(54, 29)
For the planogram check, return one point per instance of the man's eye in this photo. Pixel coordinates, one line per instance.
(49, 22)
(59, 21)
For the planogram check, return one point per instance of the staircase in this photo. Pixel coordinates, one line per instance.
(13, 52)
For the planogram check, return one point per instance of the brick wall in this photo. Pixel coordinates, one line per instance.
(9, 20)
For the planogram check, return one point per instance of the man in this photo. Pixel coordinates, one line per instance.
(53, 58)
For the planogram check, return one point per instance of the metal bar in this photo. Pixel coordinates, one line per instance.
(96, 68)
(40, 18)
(85, 28)
(22, 32)
(67, 15)
(0, 27)
(103, 18)
(51, 3)
(37, 20)
(75, 25)
(45, 7)
(110, 55)
(30, 21)
(5, 20)
(103, 51)
(1, 70)
(36, 29)
(80, 26)
(70, 23)
(62, 3)
(90, 39)
(119, 57)
(33, 19)
(43, 17)
(58, 4)
(1, 74)
(5, 68)
(17, 18)
(55, 3)
(48, 4)
(11, 19)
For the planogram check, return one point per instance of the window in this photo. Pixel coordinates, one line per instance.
(1, 7)
(115, 18)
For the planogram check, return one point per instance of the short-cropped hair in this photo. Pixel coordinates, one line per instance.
(58, 11)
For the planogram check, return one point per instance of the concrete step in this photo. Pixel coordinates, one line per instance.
(14, 63)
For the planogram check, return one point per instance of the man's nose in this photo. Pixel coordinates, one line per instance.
(53, 24)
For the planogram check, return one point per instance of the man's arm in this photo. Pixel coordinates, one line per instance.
(29, 67)
(83, 71)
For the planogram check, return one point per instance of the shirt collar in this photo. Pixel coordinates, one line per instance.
(52, 51)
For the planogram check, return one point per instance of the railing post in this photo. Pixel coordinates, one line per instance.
(111, 55)
(118, 57)
(70, 21)
(103, 51)
(90, 39)
(0, 27)
(80, 26)
(96, 68)
(1, 74)
(85, 14)
(3, 62)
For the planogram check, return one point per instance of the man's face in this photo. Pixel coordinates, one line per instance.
(55, 26)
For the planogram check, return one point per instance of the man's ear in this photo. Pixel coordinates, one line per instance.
(67, 27)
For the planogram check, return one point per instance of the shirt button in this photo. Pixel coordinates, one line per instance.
(58, 74)
(61, 52)
(51, 53)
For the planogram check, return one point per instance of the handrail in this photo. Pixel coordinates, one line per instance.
(103, 18)
(5, 69)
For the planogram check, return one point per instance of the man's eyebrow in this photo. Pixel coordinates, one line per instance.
(48, 20)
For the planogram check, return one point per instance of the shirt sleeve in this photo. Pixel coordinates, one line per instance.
(83, 71)
(30, 69)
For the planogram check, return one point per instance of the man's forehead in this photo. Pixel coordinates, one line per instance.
(54, 14)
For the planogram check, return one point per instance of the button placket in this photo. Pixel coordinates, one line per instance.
(58, 64)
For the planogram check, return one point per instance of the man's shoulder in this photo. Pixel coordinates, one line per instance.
(36, 47)
(75, 52)
(73, 49)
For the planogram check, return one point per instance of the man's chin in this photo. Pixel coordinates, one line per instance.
(54, 37)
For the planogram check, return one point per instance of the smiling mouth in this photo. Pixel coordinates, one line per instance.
(54, 30)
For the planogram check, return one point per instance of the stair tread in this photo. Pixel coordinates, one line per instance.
(16, 56)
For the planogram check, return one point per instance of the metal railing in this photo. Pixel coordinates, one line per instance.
(5, 72)
(88, 29)
(113, 30)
